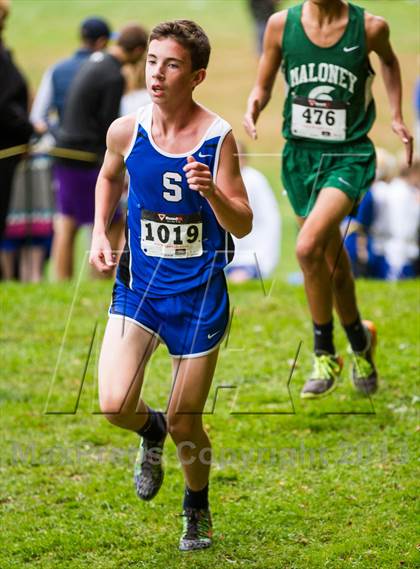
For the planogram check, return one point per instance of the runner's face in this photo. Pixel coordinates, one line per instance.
(168, 70)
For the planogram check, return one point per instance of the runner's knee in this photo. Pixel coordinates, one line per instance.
(182, 427)
(309, 251)
(116, 407)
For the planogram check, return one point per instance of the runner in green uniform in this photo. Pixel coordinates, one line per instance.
(323, 48)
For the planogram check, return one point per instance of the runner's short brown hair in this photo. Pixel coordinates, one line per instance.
(190, 35)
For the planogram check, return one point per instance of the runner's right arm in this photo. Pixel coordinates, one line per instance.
(267, 71)
(108, 192)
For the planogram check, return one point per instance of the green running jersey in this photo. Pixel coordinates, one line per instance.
(329, 99)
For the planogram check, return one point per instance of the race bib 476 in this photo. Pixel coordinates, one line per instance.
(319, 120)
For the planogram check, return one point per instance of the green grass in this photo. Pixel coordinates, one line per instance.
(304, 490)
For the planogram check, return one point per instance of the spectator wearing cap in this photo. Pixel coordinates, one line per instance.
(48, 106)
(92, 104)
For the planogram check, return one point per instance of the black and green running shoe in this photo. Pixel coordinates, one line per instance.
(324, 376)
(363, 370)
(197, 532)
(148, 469)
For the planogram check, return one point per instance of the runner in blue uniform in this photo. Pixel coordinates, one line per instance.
(186, 196)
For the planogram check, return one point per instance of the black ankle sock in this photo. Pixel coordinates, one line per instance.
(155, 427)
(198, 500)
(323, 338)
(356, 334)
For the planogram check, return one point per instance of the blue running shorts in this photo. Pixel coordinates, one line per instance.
(191, 324)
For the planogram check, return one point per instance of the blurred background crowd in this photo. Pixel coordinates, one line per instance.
(52, 143)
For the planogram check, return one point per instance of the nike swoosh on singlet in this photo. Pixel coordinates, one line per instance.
(347, 49)
(204, 155)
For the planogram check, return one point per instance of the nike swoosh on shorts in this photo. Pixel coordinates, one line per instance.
(210, 336)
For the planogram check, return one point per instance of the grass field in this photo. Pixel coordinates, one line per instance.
(331, 484)
(294, 486)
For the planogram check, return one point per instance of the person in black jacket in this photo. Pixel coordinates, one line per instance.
(15, 128)
(92, 104)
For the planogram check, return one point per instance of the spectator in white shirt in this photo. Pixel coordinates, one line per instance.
(257, 254)
(402, 247)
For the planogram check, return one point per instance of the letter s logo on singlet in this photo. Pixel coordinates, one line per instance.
(174, 192)
(321, 93)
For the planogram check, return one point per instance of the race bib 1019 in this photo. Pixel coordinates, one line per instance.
(171, 236)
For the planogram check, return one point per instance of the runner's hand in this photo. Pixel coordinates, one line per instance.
(250, 119)
(101, 255)
(199, 177)
(402, 131)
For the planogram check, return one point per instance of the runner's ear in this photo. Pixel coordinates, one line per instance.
(198, 77)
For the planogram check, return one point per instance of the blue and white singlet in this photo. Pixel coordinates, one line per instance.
(173, 239)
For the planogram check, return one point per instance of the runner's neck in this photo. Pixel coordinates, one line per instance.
(182, 129)
(168, 122)
(325, 12)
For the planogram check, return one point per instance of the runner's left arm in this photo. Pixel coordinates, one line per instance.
(377, 31)
(227, 195)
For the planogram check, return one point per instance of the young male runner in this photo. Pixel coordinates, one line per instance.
(328, 160)
(186, 195)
